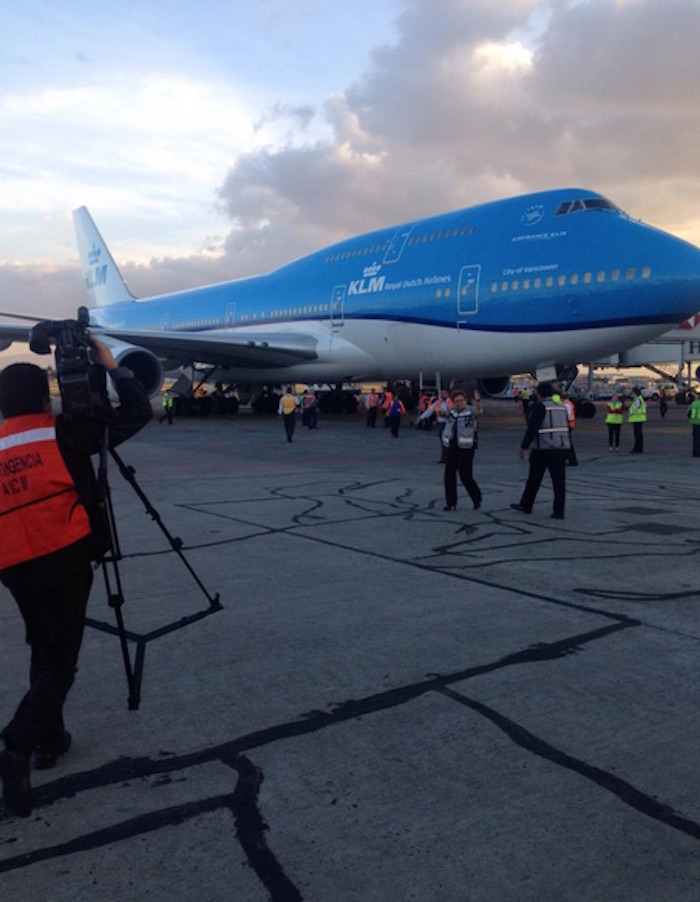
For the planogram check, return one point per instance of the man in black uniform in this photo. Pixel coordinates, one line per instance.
(53, 527)
(548, 433)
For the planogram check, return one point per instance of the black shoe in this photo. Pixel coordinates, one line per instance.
(450, 507)
(46, 756)
(519, 507)
(17, 791)
(557, 516)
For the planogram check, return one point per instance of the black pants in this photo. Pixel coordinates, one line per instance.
(638, 438)
(289, 424)
(614, 434)
(52, 598)
(696, 441)
(460, 460)
(395, 424)
(540, 462)
(371, 417)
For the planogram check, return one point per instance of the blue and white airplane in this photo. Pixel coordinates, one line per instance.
(536, 284)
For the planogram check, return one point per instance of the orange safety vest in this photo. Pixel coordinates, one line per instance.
(40, 511)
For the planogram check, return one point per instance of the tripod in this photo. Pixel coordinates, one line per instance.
(109, 563)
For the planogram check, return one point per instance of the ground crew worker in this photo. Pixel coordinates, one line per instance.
(394, 414)
(53, 527)
(371, 405)
(614, 417)
(167, 404)
(548, 433)
(459, 437)
(694, 417)
(571, 460)
(637, 415)
(439, 408)
(387, 401)
(311, 409)
(288, 409)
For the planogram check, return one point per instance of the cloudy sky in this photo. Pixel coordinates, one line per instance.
(219, 138)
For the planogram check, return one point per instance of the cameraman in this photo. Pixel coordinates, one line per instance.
(53, 526)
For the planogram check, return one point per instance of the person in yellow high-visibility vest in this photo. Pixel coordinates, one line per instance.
(694, 417)
(637, 416)
(614, 417)
(288, 408)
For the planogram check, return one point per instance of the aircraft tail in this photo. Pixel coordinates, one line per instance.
(103, 281)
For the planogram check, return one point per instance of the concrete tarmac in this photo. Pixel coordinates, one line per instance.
(394, 703)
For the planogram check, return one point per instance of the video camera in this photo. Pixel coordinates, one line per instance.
(82, 381)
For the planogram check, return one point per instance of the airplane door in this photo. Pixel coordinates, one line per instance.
(337, 306)
(397, 244)
(468, 290)
(230, 316)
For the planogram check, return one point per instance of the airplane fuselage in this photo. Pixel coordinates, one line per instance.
(516, 285)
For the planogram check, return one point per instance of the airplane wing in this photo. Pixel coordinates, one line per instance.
(222, 348)
(218, 348)
(10, 332)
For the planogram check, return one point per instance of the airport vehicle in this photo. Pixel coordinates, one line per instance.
(536, 283)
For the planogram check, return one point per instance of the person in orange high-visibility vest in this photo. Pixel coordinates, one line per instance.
(371, 405)
(52, 529)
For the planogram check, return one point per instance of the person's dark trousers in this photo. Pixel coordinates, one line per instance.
(638, 438)
(540, 462)
(696, 441)
(371, 417)
(460, 460)
(614, 435)
(395, 425)
(52, 598)
(571, 458)
(313, 418)
(289, 424)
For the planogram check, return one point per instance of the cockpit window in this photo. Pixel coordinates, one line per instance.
(590, 203)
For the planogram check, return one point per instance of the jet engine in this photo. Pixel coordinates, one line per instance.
(494, 387)
(143, 364)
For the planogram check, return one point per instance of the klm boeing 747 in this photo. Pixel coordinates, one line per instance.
(536, 284)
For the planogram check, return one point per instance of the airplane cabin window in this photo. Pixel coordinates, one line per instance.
(587, 278)
(615, 275)
(646, 272)
(600, 275)
(549, 282)
(561, 281)
(537, 283)
(630, 273)
(574, 279)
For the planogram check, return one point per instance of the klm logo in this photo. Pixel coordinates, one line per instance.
(367, 286)
(94, 255)
(96, 276)
(533, 215)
